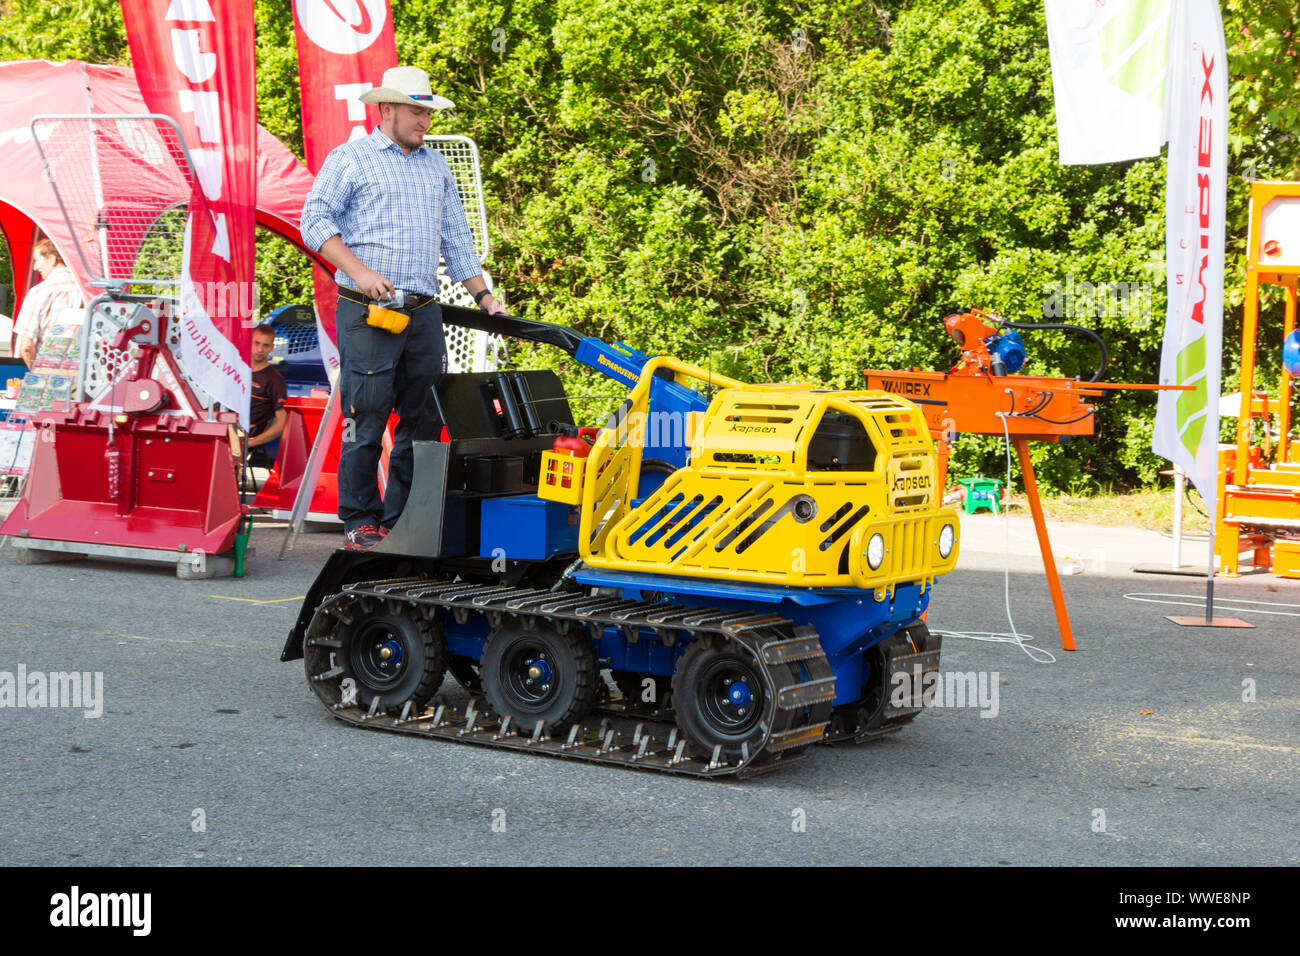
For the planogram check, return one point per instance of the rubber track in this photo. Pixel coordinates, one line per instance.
(789, 657)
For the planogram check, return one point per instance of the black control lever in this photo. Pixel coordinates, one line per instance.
(526, 403)
(506, 396)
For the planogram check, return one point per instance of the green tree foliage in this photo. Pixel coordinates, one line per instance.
(797, 191)
(801, 192)
(89, 30)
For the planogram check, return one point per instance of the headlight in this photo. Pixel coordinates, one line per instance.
(946, 538)
(875, 552)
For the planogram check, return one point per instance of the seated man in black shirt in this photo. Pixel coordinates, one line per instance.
(266, 416)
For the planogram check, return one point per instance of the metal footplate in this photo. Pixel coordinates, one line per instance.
(790, 659)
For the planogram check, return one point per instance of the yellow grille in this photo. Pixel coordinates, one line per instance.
(911, 550)
(757, 526)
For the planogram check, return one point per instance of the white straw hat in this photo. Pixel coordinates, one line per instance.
(409, 85)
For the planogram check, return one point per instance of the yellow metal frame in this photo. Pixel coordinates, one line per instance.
(1257, 273)
(747, 508)
(1251, 492)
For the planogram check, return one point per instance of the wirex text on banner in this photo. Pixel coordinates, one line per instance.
(194, 62)
(343, 47)
(1130, 74)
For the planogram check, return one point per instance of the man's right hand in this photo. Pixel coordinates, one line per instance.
(374, 285)
(368, 281)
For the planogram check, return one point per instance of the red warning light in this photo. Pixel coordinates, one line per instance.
(1272, 248)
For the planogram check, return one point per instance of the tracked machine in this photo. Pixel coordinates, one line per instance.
(720, 576)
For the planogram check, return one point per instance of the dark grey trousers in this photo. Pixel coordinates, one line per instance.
(382, 373)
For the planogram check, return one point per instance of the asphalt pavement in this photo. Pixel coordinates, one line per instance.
(1151, 744)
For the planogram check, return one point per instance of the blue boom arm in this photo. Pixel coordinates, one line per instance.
(669, 402)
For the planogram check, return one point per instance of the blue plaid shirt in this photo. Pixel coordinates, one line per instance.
(396, 211)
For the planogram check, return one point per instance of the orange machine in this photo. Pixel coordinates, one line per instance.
(982, 395)
(1259, 498)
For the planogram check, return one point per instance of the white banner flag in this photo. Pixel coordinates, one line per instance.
(1109, 64)
(1187, 423)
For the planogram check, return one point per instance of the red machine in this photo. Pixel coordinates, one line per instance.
(138, 463)
(305, 415)
(982, 395)
(139, 471)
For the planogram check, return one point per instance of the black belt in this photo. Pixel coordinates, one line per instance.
(412, 303)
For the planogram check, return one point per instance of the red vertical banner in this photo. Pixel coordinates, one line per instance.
(194, 62)
(344, 46)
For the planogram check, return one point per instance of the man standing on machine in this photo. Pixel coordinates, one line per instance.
(382, 210)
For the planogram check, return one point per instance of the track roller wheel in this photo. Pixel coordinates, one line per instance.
(539, 675)
(721, 698)
(391, 654)
(865, 713)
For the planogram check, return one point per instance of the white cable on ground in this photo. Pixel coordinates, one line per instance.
(1038, 655)
(1149, 597)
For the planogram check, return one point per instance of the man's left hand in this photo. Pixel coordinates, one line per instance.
(491, 306)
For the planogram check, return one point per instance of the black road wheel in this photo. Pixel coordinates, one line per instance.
(391, 654)
(720, 697)
(919, 638)
(876, 694)
(539, 675)
(466, 672)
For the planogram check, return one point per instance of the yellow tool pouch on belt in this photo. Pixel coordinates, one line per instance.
(387, 319)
